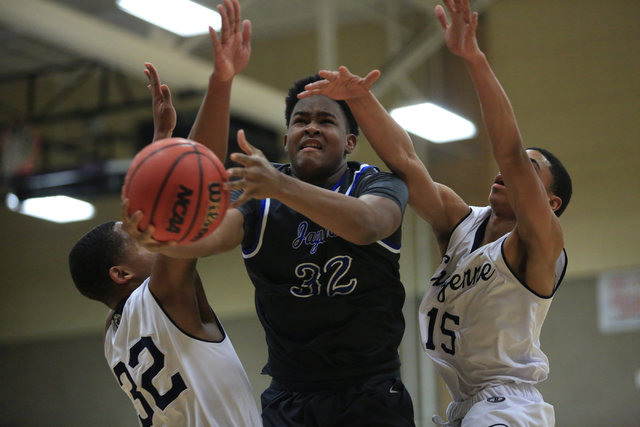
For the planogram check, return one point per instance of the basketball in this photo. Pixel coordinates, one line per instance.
(178, 185)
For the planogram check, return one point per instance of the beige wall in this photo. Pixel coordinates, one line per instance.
(572, 71)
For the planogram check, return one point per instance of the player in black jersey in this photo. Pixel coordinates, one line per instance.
(321, 240)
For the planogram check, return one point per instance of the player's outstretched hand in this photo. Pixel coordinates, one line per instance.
(164, 113)
(460, 33)
(340, 85)
(131, 225)
(233, 47)
(258, 179)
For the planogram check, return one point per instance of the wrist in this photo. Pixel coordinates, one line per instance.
(215, 79)
(159, 134)
(363, 99)
(475, 58)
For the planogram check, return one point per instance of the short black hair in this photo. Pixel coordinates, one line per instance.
(561, 185)
(91, 258)
(292, 99)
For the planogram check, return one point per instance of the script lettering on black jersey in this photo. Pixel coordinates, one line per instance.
(470, 277)
(310, 238)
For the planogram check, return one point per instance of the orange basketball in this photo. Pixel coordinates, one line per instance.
(178, 185)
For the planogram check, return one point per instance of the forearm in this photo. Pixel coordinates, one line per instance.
(226, 237)
(348, 217)
(498, 115)
(388, 139)
(159, 134)
(211, 126)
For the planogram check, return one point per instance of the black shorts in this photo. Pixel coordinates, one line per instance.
(374, 403)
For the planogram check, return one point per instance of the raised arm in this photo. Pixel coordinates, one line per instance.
(176, 285)
(537, 241)
(226, 237)
(211, 128)
(434, 202)
(164, 113)
(232, 51)
(362, 220)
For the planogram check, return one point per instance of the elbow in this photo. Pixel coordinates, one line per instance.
(366, 237)
(365, 233)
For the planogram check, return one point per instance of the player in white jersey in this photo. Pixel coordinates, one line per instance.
(163, 341)
(489, 356)
(481, 318)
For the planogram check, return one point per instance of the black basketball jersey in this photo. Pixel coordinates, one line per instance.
(331, 309)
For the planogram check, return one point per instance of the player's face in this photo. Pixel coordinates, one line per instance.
(317, 141)
(498, 194)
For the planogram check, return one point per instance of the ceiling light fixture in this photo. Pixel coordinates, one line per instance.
(433, 123)
(60, 209)
(182, 17)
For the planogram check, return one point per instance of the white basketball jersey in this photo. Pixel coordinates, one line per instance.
(478, 322)
(174, 379)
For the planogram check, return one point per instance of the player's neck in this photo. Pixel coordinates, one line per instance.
(497, 227)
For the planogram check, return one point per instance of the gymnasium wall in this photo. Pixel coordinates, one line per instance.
(571, 69)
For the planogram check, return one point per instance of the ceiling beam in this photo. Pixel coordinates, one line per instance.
(416, 52)
(91, 38)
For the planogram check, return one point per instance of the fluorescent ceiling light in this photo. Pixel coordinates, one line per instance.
(182, 17)
(59, 209)
(434, 123)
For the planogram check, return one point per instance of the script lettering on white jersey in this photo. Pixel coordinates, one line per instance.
(469, 277)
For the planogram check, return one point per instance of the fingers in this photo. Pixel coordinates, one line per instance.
(131, 223)
(371, 78)
(154, 79)
(244, 197)
(230, 16)
(214, 39)
(235, 18)
(328, 75)
(474, 22)
(124, 208)
(312, 89)
(244, 144)
(158, 91)
(465, 11)
(451, 5)
(246, 34)
(344, 72)
(166, 93)
(341, 84)
(442, 16)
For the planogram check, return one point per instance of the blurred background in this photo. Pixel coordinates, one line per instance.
(74, 109)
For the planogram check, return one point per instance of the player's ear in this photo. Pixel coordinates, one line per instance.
(555, 202)
(285, 142)
(350, 143)
(119, 274)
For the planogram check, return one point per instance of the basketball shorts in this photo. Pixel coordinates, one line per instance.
(374, 403)
(508, 405)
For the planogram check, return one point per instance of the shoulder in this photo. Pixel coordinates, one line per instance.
(364, 173)
(282, 167)
(369, 180)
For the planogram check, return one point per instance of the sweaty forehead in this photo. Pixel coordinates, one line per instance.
(318, 105)
(538, 158)
(126, 238)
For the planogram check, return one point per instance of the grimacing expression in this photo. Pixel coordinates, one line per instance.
(317, 141)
